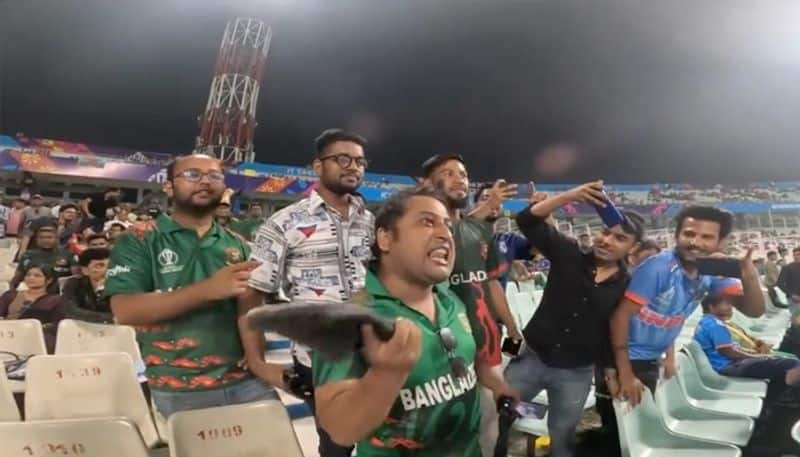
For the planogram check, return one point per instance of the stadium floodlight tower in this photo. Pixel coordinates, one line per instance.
(228, 124)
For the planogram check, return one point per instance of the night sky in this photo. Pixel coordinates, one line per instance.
(560, 91)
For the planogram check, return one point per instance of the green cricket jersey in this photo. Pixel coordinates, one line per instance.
(478, 261)
(61, 260)
(246, 227)
(436, 414)
(200, 350)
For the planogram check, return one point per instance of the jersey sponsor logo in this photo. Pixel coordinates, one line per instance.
(502, 246)
(168, 260)
(438, 391)
(650, 317)
(117, 270)
(468, 278)
(232, 256)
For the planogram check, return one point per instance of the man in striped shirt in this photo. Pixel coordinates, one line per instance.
(316, 250)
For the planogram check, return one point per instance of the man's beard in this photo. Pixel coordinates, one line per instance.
(492, 219)
(185, 205)
(452, 203)
(336, 186)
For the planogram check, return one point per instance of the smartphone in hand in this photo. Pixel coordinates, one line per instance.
(712, 266)
(524, 191)
(511, 347)
(609, 214)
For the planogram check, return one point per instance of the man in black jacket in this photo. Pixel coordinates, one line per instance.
(569, 333)
(83, 296)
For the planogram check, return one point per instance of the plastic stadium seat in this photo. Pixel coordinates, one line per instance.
(704, 398)
(23, 337)
(681, 418)
(642, 433)
(115, 437)
(796, 432)
(87, 385)
(528, 287)
(716, 381)
(260, 429)
(8, 407)
(511, 288)
(78, 337)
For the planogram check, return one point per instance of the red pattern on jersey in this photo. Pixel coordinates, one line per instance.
(489, 351)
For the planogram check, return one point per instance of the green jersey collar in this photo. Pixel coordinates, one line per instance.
(167, 224)
(376, 288)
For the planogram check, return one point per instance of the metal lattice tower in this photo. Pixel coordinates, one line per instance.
(228, 124)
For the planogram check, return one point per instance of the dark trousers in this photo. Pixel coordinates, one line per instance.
(327, 448)
(647, 371)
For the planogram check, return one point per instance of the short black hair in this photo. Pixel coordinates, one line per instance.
(330, 136)
(633, 224)
(483, 188)
(117, 224)
(90, 255)
(706, 213)
(46, 270)
(95, 236)
(709, 301)
(395, 207)
(430, 165)
(795, 250)
(771, 253)
(648, 244)
(67, 206)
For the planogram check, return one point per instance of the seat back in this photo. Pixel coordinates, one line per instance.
(8, 407)
(78, 337)
(638, 426)
(670, 399)
(261, 429)
(528, 287)
(690, 377)
(707, 374)
(87, 385)
(796, 432)
(22, 337)
(105, 437)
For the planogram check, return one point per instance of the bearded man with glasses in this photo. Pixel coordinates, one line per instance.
(316, 250)
(414, 395)
(177, 284)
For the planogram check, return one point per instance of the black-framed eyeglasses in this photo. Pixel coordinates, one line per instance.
(457, 364)
(195, 175)
(344, 160)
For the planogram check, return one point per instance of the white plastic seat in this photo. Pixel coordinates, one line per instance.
(8, 407)
(78, 337)
(682, 419)
(796, 432)
(87, 385)
(261, 429)
(704, 398)
(716, 381)
(108, 437)
(23, 337)
(642, 433)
